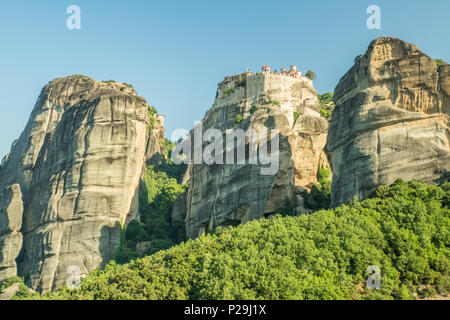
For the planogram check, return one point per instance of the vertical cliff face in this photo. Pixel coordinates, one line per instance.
(390, 120)
(230, 194)
(71, 180)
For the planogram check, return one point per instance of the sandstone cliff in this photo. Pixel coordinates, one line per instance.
(390, 120)
(230, 194)
(71, 180)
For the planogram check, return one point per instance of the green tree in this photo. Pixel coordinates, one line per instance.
(326, 104)
(310, 75)
(320, 195)
(228, 91)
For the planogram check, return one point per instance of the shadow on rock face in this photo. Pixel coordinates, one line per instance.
(270, 122)
(108, 242)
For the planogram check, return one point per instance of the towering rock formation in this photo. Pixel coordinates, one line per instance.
(390, 120)
(229, 194)
(71, 180)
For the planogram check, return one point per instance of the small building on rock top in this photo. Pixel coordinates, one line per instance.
(246, 84)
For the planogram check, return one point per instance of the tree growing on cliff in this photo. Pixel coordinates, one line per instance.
(253, 109)
(238, 119)
(439, 62)
(326, 104)
(320, 196)
(310, 75)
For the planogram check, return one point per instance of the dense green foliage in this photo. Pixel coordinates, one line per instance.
(4, 284)
(151, 113)
(228, 91)
(404, 229)
(326, 98)
(326, 104)
(238, 118)
(151, 110)
(320, 196)
(168, 146)
(23, 292)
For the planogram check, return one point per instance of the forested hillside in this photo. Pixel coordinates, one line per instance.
(404, 229)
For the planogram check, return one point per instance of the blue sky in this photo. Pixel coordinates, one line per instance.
(175, 52)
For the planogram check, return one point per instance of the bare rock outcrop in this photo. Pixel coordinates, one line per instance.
(390, 120)
(230, 194)
(71, 180)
